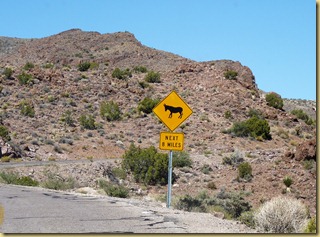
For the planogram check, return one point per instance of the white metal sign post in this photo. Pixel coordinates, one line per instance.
(169, 179)
(172, 111)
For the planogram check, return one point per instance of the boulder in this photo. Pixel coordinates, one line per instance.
(306, 151)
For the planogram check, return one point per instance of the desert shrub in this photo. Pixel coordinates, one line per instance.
(274, 100)
(247, 218)
(119, 173)
(287, 181)
(303, 116)
(84, 66)
(27, 108)
(28, 66)
(5, 159)
(254, 127)
(27, 181)
(67, 118)
(143, 84)
(211, 185)
(121, 74)
(57, 182)
(25, 78)
(245, 171)
(255, 113)
(227, 114)
(152, 77)
(147, 165)
(7, 73)
(9, 177)
(181, 159)
(191, 204)
(235, 159)
(230, 75)
(13, 178)
(4, 133)
(231, 204)
(311, 226)
(147, 105)
(87, 121)
(113, 190)
(206, 169)
(110, 111)
(281, 215)
(141, 69)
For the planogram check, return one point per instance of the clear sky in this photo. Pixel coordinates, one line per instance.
(276, 39)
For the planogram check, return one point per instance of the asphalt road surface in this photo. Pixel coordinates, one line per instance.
(38, 210)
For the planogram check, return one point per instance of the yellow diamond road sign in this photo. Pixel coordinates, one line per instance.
(171, 141)
(172, 111)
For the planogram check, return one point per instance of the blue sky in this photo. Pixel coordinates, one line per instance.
(276, 39)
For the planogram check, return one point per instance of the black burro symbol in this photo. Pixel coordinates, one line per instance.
(173, 110)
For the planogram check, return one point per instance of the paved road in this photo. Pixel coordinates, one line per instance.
(38, 210)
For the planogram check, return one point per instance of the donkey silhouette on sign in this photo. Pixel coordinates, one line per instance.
(173, 110)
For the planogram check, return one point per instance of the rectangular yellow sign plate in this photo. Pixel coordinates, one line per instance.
(171, 141)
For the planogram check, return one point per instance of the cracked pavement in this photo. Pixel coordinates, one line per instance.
(38, 210)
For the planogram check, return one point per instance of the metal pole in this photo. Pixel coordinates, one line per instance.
(169, 179)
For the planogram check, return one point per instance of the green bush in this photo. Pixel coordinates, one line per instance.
(147, 105)
(87, 121)
(230, 75)
(152, 77)
(7, 73)
(4, 133)
(147, 165)
(287, 181)
(13, 178)
(274, 100)
(110, 111)
(84, 66)
(232, 204)
(141, 69)
(247, 218)
(303, 116)
(254, 127)
(25, 78)
(311, 226)
(121, 74)
(181, 159)
(245, 171)
(27, 108)
(56, 182)
(28, 66)
(228, 114)
(67, 118)
(113, 190)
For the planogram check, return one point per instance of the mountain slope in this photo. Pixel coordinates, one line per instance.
(59, 88)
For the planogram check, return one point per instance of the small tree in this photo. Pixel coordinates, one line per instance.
(274, 100)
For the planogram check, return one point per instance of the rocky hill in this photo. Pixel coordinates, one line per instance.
(34, 110)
